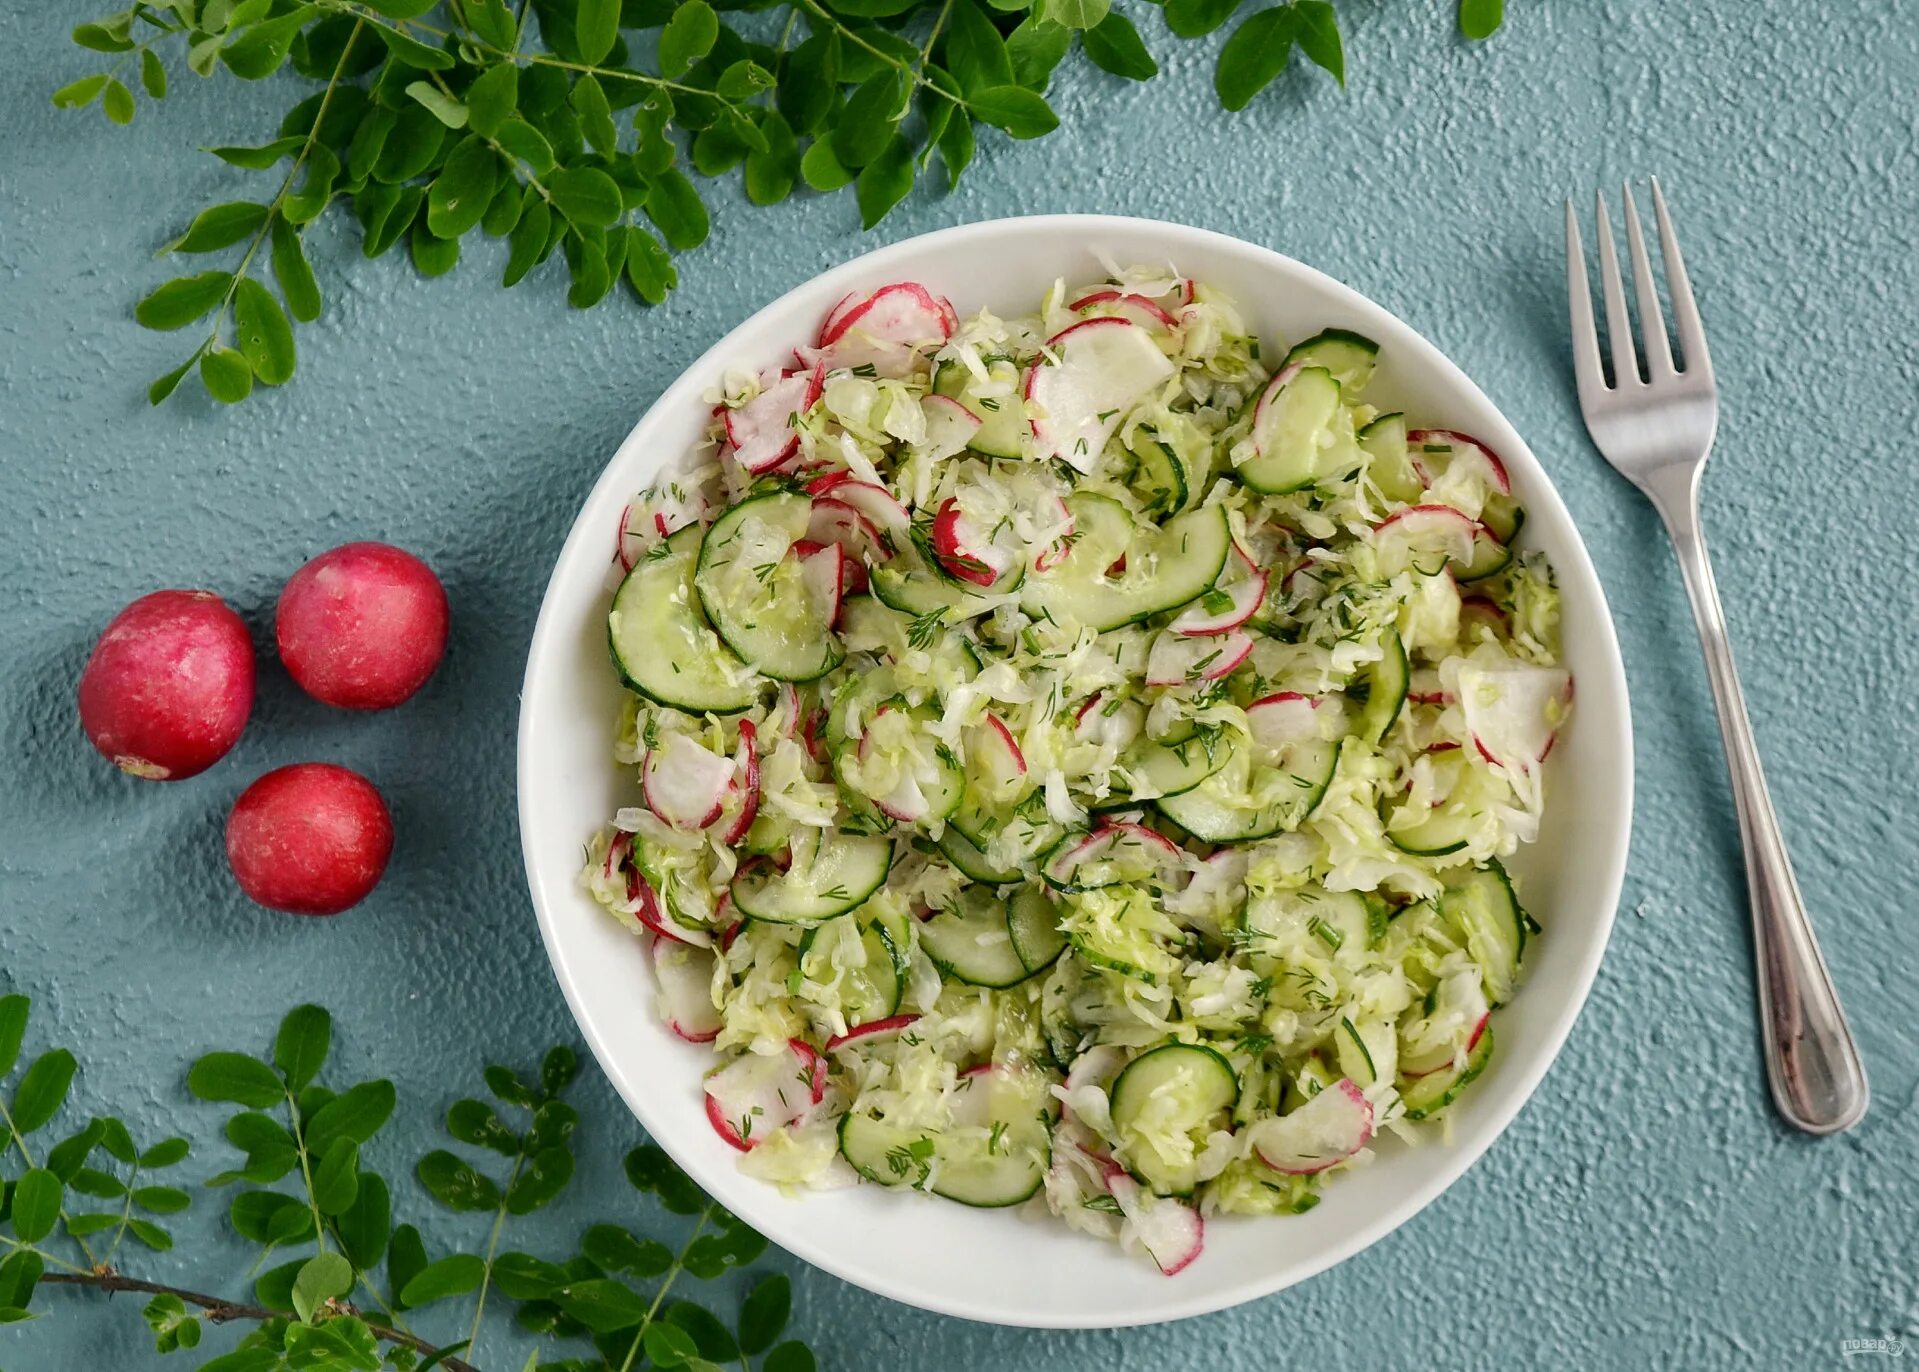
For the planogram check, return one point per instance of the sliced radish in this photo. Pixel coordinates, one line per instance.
(833, 316)
(825, 574)
(1222, 609)
(1428, 538)
(1104, 367)
(1479, 609)
(1239, 564)
(684, 783)
(746, 781)
(1465, 449)
(1171, 1231)
(873, 502)
(685, 977)
(1459, 1017)
(1051, 556)
(1322, 1133)
(1424, 688)
(950, 426)
(887, 329)
(1280, 720)
(764, 432)
(966, 550)
(834, 521)
(1117, 723)
(1514, 710)
(755, 1094)
(1177, 659)
(1113, 853)
(1138, 309)
(907, 802)
(873, 1032)
(994, 757)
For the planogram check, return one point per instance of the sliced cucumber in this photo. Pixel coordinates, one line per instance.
(835, 877)
(971, 859)
(1347, 355)
(1222, 810)
(869, 625)
(662, 644)
(1385, 683)
(1288, 424)
(915, 587)
(1159, 478)
(1166, 1103)
(1033, 923)
(1447, 830)
(1427, 1095)
(868, 992)
(1003, 428)
(994, 1155)
(1171, 769)
(1483, 909)
(972, 942)
(1384, 440)
(753, 590)
(1165, 567)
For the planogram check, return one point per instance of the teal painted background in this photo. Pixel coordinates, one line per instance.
(1644, 1210)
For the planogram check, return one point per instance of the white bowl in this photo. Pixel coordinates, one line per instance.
(995, 1265)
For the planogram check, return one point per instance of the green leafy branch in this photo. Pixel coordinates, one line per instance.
(537, 123)
(337, 1284)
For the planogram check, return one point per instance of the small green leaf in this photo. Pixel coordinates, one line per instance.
(821, 168)
(79, 94)
(492, 97)
(258, 50)
(91, 1181)
(667, 1345)
(617, 1250)
(153, 74)
(596, 115)
(503, 211)
(1037, 47)
(295, 275)
(151, 1234)
(103, 38)
(14, 1010)
(357, 1113)
(164, 386)
(64, 1158)
(118, 102)
(809, 81)
(432, 255)
(162, 1200)
(956, 148)
(411, 50)
(712, 1340)
(596, 29)
(405, 1259)
(791, 1356)
(585, 196)
(323, 1277)
(336, 1180)
(1114, 45)
(591, 278)
(265, 337)
(453, 1183)
(527, 241)
(226, 375)
(527, 143)
(649, 269)
(1317, 33)
(477, 1123)
(83, 1225)
(687, 37)
(975, 52)
(1020, 112)
(523, 1277)
(261, 157)
(42, 1090)
(316, 190)
(885, 181)
(677, 212)
(463, 189)
(1197, 18)
(602, 1305)
(770, 174)
(1253, 56)
(544, 1177)
(257, 1214)
(364, 1225)
(36, 1204)
(712, 1254)
(220, 226)
(1481, 18)
(20, 1272)
(866, 125)
(233, 1076)
(767, 1308)
(454, 1275)
(445, 108)
(165, 1153)
(1076, 14)
(176, 304)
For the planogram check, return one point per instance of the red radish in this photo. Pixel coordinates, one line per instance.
(907, 801)
(1171, 1231)
(1207, 615)
(310, 839)
(833, 315)
(1466, 449)
(950, 426)
(1459, 1017)
(834, 521)
(362, 627)
(646, 909)
(1268, 399)
(810, 735)
(788, 710)
(1479, 609)
(169, 686)
(1242, 564)
(1514, 710)
(755, 1094)
(873, 502)
(685, 978)
(1425, 688)
(1103, 368)
(1279, 720)
(878, 1028)
(826, 572)
(998, 755)
(764, 432)
(656, 516)
(1122, 851)
(685, 783)
(887, 329)
(1322, 1133)
(1116, 723)
(965, 550)
(746, 779)
(1428, 538)
(1137, 308)
(1177, 659)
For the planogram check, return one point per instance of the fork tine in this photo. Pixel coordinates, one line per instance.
(1652, 322)
(1625, 363)
(1585, 333)
(1692, 333)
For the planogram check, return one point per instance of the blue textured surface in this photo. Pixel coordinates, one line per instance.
(1645, 1209)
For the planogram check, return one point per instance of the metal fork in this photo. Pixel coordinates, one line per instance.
(1655, 425)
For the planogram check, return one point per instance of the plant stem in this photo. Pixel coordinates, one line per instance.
(126, 1215)
(42, 1254)
(666, 1285)
(306, 1162)
(493, 1245)
(813, 8)
(221, 1311)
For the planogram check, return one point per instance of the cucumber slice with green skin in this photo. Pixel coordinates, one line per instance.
(1447, 831)
(868, 993)
(1386, 682)
(1296, 408)
(1165, 568)
(1159, 478)
(1384, 440)
(1427, 1095)
(756, 595)
(972, 942)
(915, 587)
(1218, 811)
(1172, 769)
(869, 624)
(1003, 427)
(1034, 925)
(966, 855)
(661, 643)
(844, 870)
(1183, 1090)
(1483, 909)
(1347, 355)
(994, 1155)
(767, 835)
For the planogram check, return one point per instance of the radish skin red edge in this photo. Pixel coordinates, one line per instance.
(1322, 1133)
(892, 1024)
(1453, 438)
(756, 1090)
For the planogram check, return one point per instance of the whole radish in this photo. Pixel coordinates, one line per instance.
(362, 627)
(169, 686)
(310, 839)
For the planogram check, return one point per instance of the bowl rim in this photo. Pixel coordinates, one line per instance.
(1575, 560)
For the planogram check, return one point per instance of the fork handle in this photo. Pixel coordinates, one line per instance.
(1812, 1063)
